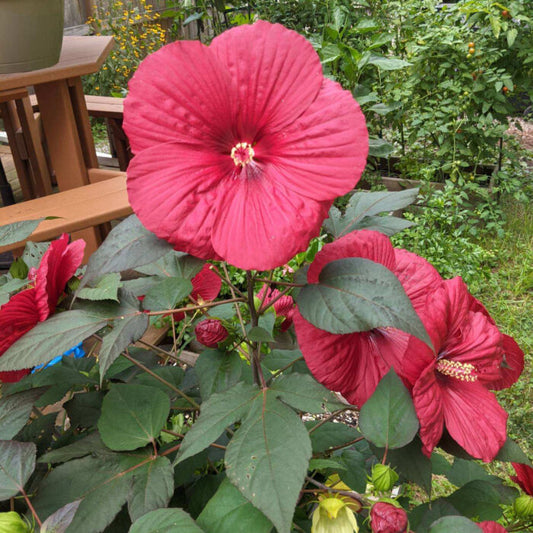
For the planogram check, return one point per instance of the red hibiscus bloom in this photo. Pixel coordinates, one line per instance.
(283, 306)
(206, 287)
(524, 477)
(450, 388)
(353, 364)
(491, 527)
(210, 332)
(241, 146)
(31, 306)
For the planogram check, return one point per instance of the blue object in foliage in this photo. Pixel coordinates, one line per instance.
(77, 352)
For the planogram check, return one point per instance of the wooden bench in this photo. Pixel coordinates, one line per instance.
(105, 199)
(112, 110)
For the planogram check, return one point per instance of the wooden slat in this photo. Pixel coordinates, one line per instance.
(79, 208)
(97, 106)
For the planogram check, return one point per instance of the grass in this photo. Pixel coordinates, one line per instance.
(508, 296)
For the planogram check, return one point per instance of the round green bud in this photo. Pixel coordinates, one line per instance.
(13, 523)
(523, 506)
(383, 477)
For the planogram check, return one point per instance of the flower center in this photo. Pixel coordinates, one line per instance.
(242, 154)
(457, 370)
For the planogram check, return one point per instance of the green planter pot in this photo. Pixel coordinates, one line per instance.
(31, 33)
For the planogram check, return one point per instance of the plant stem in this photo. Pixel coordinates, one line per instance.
(259, 379)
(194, 307)
(31, 508)
(181, 436)
(285, 283)
(160, 379)
(351, 494)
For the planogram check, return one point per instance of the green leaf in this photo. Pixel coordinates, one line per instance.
(327, 464)
(511, 452)
(388, 418)
(354, 474)
(17, 462)
(387, 63)
(152, 488)
(165, 521)
(357, 294)
(50, 338)
(15, 411)
(278, 359)
(217, 371)
(384, 109)
(462, 472)
(132, 416)
(453, 524)
(422, 516)
(105, 289)
(330, 435)
(18, 231)
(366, 26)
(364, 205)
(511, 36)
(329, 53)
(173, 265)
(267, 459)
(379, 148)
(217, 413)
(19, 269)
(128, 245)
(166, 294)
(257, 334)
(84, 409)
(304, 393)
(125, 331)
(477, 499)
(171, 374)
(85, 446)
(387, 225)
(61, 519)
(228, 512)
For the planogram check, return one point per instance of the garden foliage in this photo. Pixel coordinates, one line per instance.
(317, 398)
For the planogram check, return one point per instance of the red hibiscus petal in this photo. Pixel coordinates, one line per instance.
(524, 477)
(474, 418)
(417, 276)
(330, 140)
(491, 527)
(206, 284)
(427, 399)
(260, 225)
(174, 191)
(275, 72)
(365, 243)
(179, 93)
(512, 365)
(351, 364)
(58, 265)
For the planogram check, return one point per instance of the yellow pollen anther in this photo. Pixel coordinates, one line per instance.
(242, 154)
(457, 370)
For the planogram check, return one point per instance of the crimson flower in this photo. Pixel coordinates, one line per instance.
(354, 363)
(387, 518)
(283, 305)
(491, 527)
(31, 306)
(206, 286)
(450, 386)
(210, 332)
(241, 146)
(524, 477)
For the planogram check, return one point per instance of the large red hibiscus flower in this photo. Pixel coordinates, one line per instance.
(31, 306)
(450, 387)
(353, 364)
(241, 146)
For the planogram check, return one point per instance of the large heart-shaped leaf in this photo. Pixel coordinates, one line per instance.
(132, 416)
(357, 294)
(17, 462)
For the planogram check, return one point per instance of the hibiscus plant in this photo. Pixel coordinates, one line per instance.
(319, 400)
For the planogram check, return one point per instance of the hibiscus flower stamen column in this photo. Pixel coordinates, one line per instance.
(242, 154)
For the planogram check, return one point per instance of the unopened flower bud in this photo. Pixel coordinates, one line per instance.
(333, 514)
(387, 518)
(383, 477)
(210, 332)
(13, 523)
(523, 506)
